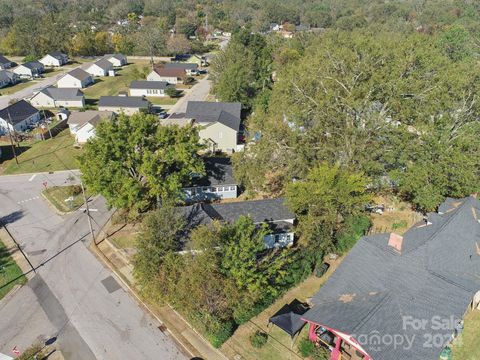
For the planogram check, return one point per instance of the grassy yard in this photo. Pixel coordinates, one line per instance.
(166, 100)
(466, 346)
(9, 270)
(41, 156)
(110, 86)
(64, 198)
(17, 87)
(279, 345)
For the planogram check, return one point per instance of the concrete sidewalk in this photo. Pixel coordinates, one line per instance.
(172, 321)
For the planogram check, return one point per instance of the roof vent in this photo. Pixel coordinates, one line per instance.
(395, 241)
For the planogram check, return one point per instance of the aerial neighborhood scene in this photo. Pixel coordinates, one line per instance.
(235, 179)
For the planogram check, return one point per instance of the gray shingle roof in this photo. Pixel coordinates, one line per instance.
(90, 116)
(18, 112)
(144, 84)
(376, 288)
(219, 171)
(4, 60)
(6, 75)
(79, 74)
(210, 112)
(63, 93)
(57, 54)
(183, 66)
(104, 64)
(124, 101)
(33, 64)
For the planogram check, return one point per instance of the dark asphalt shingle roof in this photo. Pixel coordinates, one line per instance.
(144, 84)
(57, 54)
(4, 60)
(63, 93)
(227, 114)
(104, 64)
(124, 101)
(218, 170)
(375, 288)
(79, 74)
(6, 75)
(183, 66)
(33, 65)
(18, 112)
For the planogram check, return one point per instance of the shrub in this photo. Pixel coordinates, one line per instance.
(354, 228)
(219, 332)
(258, 339)
(188, 80)
(306, 347)
(399, 225)
(172, 92)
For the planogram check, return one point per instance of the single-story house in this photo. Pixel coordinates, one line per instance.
(17, 117)
(271, 212)
(127, 104)
(82, 124)
(189, 68)
(399, 297)
(148, 88)
(77, 78)
(117, 60)
(31, 69)
(218, 183)
(56, 58)
(5, 63)
(100, 68)
(219, 122)
(54, 97)
(7, 78)
(171, 76)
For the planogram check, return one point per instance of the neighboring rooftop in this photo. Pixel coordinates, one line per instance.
(63, 93)
(124, 101)
(432, 271)
(33, 64)
(172, 72)
(4, 60)
(6, 75)
(104, 64)
(218, 170)
(57, 54)
(90, 116)
(17, 112)
(210, 112)
(179, 65)
(144, 84)
(79, 74)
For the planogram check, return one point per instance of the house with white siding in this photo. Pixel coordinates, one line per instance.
(52, 97)
(100, 68)
(171, 76)
(18, 117)
(128, 105)
(148, 88)
(189, 68)
(77, 78)
(7, 78)
(29, 70)
(217, 184)
(54, 59)
(117, 60)
(82, 124)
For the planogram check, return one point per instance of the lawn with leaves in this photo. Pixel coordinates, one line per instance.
(10, 273)
(64, 198)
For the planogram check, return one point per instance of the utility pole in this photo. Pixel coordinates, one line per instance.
(10, 135)
(87, 211)
(45, 121)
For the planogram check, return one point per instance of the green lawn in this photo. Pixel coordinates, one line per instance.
(466, 346)
(49, 72)
(110, 86)
(9, 271)
(42, 156)
(19, 86)
(166, 100)
(64, 198)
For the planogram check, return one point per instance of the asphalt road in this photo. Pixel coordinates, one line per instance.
(197, 93)
(38, 85)
(72, 296)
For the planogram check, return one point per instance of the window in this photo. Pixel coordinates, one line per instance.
(213, 189)
(289, 237)
(277, 238)
(220, 189)
(220, 135)
(232, 188)
(205, 189)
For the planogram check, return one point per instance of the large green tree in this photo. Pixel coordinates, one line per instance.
(134, 162)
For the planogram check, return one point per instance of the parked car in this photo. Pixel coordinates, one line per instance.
(163, 115)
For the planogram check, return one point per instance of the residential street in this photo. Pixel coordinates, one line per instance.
(37, 86)
(72, 296)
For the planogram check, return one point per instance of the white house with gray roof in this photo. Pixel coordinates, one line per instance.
(82, 124)
(7, 78)
(128, 105)
(219, 123)
(30, 70)
(392, 293)
(52, 97)
(77, 78)
(189, 68)
(272, 212)
(18, 117)
(100, 68)
(5, 63)
(217, 184)
(117, 60)
(148, 88)
(54, 59)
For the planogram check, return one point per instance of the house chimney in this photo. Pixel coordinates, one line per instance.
(396, 241)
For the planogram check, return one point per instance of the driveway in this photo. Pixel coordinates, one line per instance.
(38, 85)
(72, 295)
(198, 92)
